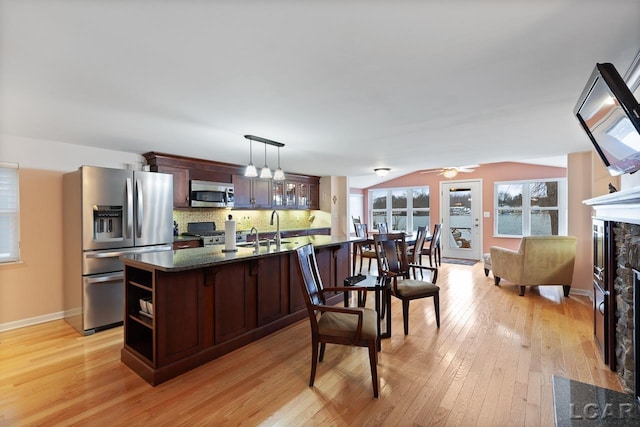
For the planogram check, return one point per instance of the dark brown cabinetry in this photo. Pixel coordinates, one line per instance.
(273, 293)
(277, 199)
(178, 331)
(185, 244)
(314, 196)
(604, 325)
(139, 330)
(297, 192)
(153, 341)
(180, 185)
(234, 302)
(185, 169)
(252, 193)
(202, 313)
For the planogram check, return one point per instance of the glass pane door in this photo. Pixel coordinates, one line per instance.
(461, 230)
(290, 194)
(278, 194)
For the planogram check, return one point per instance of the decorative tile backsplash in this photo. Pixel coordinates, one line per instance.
(245, 219)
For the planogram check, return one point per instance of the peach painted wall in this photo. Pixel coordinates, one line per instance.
(581, 180)
(488, 173)
(33, 287)
(31, 291)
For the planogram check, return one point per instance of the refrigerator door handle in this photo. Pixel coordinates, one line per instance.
(139, 208)
(105, 255)
(108, 278)
(129, 208)
(117, 253)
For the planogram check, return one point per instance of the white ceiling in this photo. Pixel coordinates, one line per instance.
(346, 85)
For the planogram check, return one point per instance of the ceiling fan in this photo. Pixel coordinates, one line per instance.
(452, 171)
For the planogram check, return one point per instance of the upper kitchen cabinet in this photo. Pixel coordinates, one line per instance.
(180, 185)
(251, 193)
(291, 194)
(184, 169)
(314, 196)
(297, 193)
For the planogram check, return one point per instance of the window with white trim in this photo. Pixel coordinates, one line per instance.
(401, 208)
(530, 208)
(9, 213)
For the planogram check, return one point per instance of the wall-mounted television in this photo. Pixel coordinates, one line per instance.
(610, 114)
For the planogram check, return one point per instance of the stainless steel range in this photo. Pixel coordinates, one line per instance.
(208, 233)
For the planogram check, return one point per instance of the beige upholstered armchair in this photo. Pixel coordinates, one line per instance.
(540, 260)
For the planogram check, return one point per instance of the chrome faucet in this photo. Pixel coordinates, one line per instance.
(278, 239)
(256, 241)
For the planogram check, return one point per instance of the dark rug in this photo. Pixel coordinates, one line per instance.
(580, 404)
(459, 261)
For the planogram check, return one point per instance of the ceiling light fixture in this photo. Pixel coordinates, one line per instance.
(450, 173)
(278, 175)
(381, 172)
(265, 172)
(250, 171)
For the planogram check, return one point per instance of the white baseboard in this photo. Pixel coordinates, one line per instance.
(583, 292)
(32, 321)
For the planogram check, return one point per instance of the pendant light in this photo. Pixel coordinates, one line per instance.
(250, 171)
(265, 172)
(278, 175)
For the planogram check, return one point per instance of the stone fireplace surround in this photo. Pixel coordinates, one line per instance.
(627, 251)
(623, 208)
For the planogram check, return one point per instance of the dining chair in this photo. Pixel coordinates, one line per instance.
(433, 251)
(382, 227)
(414, 253)
(356, 220)
(393, 262)
(354, 326)
(363, 248)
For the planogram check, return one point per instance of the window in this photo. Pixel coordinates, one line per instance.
(400, 208)
(9, 213)
(530, 208)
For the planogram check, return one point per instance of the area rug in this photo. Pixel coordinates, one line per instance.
(459, 261)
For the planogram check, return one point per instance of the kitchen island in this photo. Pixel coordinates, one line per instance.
(201, 303)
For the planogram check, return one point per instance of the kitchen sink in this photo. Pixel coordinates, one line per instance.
(262, 243)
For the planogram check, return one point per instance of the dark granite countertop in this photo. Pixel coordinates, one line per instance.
(189, 259)
(579, 404)
(185, 237)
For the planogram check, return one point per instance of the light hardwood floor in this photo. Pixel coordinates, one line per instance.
(490, 364)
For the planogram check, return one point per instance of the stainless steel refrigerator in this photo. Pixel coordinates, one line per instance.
(108, 213)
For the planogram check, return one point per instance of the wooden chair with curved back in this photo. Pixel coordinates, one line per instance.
(433, 251)
(354, 326)
(356, 220)
(391, 250)
(382, 227)
(414, 253)
(363, 248)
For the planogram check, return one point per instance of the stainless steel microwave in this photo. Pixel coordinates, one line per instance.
(205, 194)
